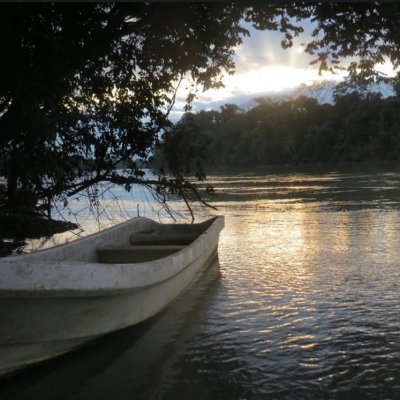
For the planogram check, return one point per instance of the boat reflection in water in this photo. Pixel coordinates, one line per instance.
(121, 363)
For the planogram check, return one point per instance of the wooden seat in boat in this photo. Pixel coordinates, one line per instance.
(135, 254)
(164, 239)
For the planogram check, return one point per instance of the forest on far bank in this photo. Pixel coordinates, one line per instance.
(355, 125)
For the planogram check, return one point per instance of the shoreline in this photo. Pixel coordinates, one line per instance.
(340, 165)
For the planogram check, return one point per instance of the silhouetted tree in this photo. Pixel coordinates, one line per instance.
(85, 88)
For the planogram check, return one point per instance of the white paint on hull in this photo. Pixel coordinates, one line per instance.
(51, 307)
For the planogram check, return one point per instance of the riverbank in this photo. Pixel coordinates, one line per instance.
(348, 166)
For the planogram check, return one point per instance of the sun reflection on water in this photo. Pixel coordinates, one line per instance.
(307, 303)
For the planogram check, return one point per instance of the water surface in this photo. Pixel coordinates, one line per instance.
(303, 302)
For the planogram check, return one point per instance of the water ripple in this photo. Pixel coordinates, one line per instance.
(305, 304)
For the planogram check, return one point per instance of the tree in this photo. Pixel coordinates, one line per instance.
(84, 88)
(87, 87)
(322, 91)
(365, 32)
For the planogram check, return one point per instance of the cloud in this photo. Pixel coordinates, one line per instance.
(242, 88)
(263, 49)
(262, 68)
(241, 99)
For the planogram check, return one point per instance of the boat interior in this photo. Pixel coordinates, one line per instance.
(152, 244)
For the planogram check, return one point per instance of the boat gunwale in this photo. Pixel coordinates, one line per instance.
(93, 236)
(56, 288)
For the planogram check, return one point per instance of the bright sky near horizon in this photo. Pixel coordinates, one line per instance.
(262, 68)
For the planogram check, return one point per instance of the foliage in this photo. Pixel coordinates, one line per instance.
(366, 32)
(87, 88)
(357, 126)
(319, 90)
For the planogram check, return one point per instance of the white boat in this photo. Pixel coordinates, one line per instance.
(55, 300)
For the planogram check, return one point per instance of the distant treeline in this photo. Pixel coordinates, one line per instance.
(357, 125)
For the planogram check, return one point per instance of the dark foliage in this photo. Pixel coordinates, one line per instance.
(358, 126)
(86, 88)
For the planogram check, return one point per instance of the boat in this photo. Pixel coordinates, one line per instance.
(56, 300)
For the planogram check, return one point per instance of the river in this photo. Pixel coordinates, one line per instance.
(303, 302)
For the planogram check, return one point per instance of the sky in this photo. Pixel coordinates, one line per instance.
(262, 68)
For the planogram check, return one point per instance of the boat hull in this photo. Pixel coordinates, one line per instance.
(42, 327)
